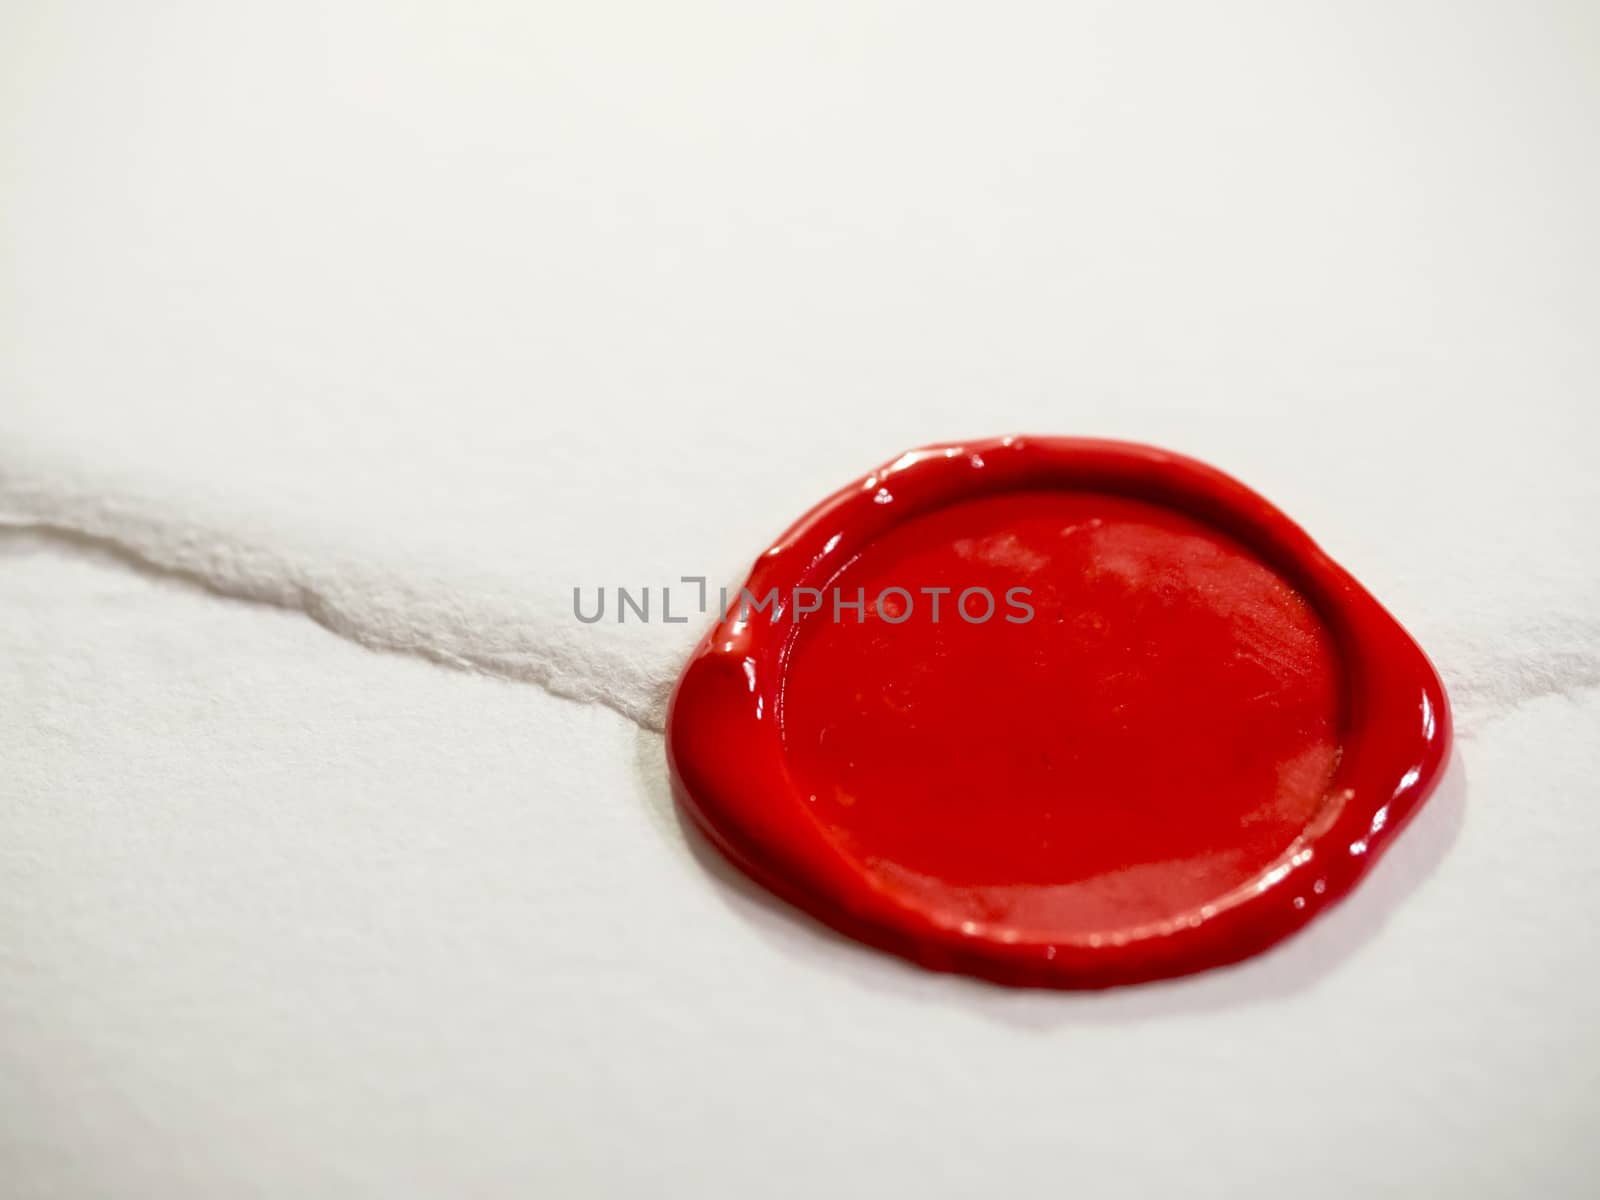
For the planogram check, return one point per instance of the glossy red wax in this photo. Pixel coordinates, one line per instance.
(1179, 733)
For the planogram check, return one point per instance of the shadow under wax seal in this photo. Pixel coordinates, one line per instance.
(1055, 712)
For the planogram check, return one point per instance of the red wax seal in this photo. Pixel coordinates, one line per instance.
(1055, 712)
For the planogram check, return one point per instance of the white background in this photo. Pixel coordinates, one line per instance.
(393, 322)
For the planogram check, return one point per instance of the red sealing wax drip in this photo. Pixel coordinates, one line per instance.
(1151, 729)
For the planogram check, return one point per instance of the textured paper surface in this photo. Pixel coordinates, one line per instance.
(407, 323)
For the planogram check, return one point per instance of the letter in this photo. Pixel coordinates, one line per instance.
(799, 609)
(859, 604)
(625, 602)
(599, 612)
(747, 602)
(1011, 599)
(935, 593)
(885, 617)
(961, 605)
(666, 609)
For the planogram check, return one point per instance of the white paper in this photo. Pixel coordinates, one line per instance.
(410, 321)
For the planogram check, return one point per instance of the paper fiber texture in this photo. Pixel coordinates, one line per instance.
(340, 328)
